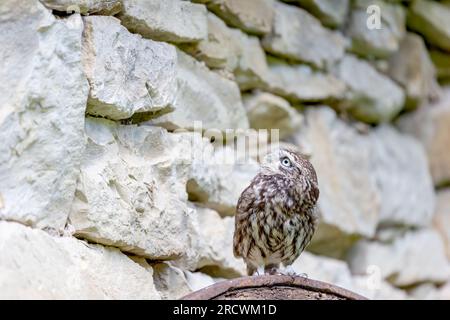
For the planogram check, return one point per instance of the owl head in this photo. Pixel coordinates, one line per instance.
(290, 164)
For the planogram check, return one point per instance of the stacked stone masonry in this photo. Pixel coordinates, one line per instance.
(109, 190)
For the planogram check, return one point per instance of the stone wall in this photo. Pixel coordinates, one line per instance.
(100, 196)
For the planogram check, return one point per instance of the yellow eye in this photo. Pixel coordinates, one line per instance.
(286, 162)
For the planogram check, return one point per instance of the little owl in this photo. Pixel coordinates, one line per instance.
(276, 215)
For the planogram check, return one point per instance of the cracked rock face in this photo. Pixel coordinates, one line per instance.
(41, 129)
(127, 74)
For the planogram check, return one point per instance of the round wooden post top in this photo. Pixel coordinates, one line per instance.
(273, 287)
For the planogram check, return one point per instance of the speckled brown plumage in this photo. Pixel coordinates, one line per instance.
(276, 216)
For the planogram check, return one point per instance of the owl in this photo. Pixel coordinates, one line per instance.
(276, 214)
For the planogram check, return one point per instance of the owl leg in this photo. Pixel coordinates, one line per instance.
(272, 269)
(289, 271)
(250, 269)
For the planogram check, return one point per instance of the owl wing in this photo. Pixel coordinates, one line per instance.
(243, 209)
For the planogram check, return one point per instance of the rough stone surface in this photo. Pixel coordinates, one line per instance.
(127, 74)
(364, 100)
(267, 111)
(376, 42)
(400, 167)
(407, 260)
(131, 190)
(219, 177)
(432, 20)
(170, 281)
(205, 96)
(301, 83)
(220, 49)
(85, 7)
(211, 245)
(168, 20)
(35, 265)
(341, 158)
(299, 36)
(430, 126)
(331, 13)
(413, 69)
(441, 218)
(41, 128)
(252, 16)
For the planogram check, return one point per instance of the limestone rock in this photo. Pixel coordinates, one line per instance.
(165, 20)
(341, 158)
(218, 178)
(441, 218)
(131, 190)
(211, 245)
(252, 69)
(299, 36)
(198, 280)
(366, 102)
(376, 42)
(252, 16)
(432, 20)
(375, 288)
(416, 257)
(301, 83)
(85, 7)
(127, 74)
(412, 68)
(331, 13)
(400, 167)
(220, 49)
(267, 111)
(170, 281)
(42, 106)
(430, 126)
(338, 273)
(324, 269)
(35, 265)
(204, 95)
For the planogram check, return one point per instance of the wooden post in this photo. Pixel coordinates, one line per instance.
(273, 287)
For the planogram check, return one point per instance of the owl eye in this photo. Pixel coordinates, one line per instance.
(286, 162)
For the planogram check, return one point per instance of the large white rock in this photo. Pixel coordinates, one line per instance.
(169, 281)
(432, 20)
(252, 16)
(127, 74)
(131, 191)
(342, 159)
(267, 111)
(389, 168)
(338, 273)
(204, 96)
(35, 265)
(166, 20)
(86, 7)
(211, 245)
(441, 218)
(220, 49)
(430, 126)
(299, 36)
(42, 108)
(302, 83)
(400, 167)
(218, 177)
(413, 69)
(364, 100)
(232, 50)
(416, 257)
(378, 42)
